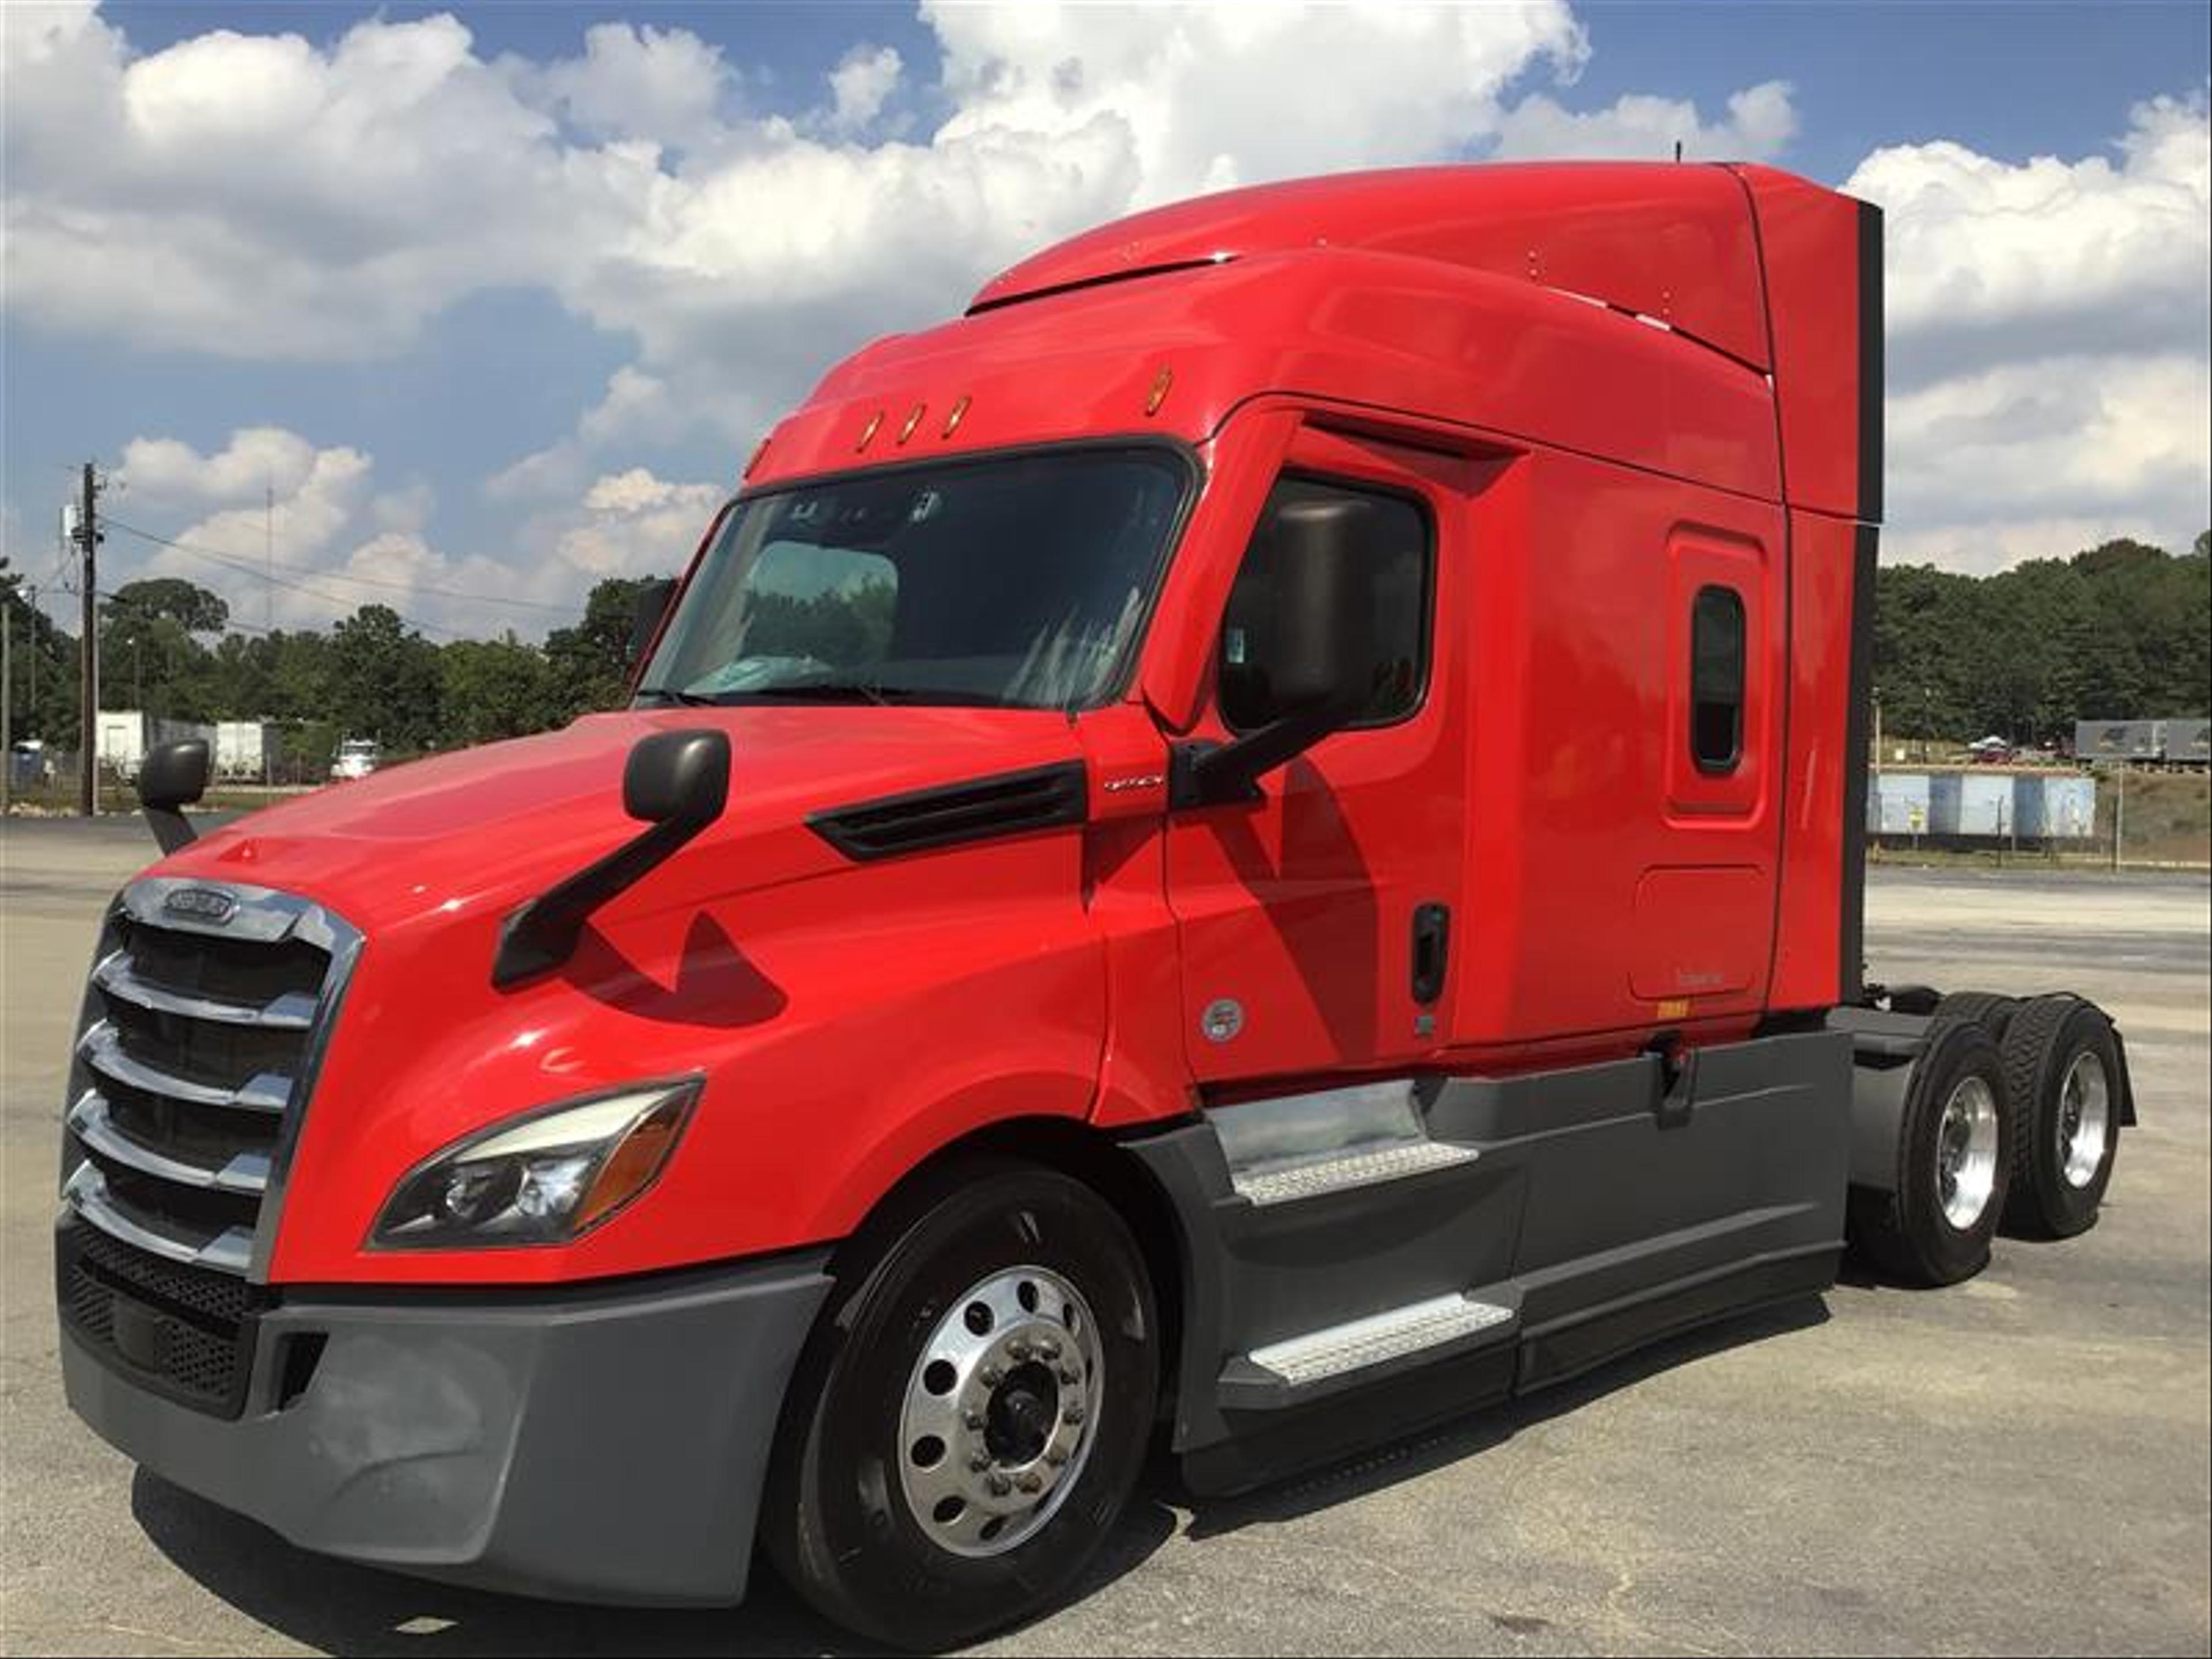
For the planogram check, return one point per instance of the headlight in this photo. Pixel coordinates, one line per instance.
(545, 1178)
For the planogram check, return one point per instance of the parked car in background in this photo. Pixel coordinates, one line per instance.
(1992, 751)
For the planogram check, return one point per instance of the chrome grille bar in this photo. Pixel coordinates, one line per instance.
(294, 1010)
(101, 1048)
(209, 1007)
(230, 1250)
(92, 1122)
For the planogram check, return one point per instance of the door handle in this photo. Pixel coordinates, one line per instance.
(1432, 951)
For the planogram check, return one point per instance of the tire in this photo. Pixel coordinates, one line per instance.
(1984, 1008)
(893, 1537)
(2066, 1081)
(1927, 1231)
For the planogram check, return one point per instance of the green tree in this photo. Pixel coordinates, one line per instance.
(384, 680)
(43, 668)
(590, 661)
(494, 689)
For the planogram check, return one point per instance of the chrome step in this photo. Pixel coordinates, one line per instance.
(1318, 1356)
(92, 1122)
(101, 1048)
(1360, 1166)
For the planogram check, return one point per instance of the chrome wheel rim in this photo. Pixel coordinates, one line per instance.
(999, 1412)
(1966, 1152)
(2085, 1102)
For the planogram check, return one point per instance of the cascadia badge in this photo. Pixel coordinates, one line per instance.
(207, 904)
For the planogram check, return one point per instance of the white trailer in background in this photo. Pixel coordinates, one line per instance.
(241, 750)
(121, 736)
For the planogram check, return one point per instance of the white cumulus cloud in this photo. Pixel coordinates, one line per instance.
(1762, 120)
(2050, 342)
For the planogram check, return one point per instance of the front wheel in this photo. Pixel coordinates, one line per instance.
(970, 1419)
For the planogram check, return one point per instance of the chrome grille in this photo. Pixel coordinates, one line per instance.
(207, 1011)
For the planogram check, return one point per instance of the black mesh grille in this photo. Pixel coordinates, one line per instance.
(182, 1331)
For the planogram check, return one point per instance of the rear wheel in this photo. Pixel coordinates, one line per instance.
(2063, 1069)
(1987, 1009)
(970, 1419)
(1953, 1156)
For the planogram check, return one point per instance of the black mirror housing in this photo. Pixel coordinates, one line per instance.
(647, 610)
(677, 783)
(1318, 654)
(1321, 649)
(171, 778)
(678, 777)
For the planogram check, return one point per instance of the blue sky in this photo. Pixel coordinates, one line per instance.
(497, 309)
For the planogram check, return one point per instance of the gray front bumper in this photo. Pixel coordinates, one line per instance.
(597, 1444)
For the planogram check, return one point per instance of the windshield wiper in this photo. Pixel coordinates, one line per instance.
(673, 694)
(833, 691)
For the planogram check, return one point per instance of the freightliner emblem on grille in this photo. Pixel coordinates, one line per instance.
(207, 904)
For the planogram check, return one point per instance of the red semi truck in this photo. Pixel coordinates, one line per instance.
(1256, 842)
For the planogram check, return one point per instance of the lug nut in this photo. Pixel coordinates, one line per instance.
(1047, 1351)
(1032, 1483)
(990, 1377)
(1017, 1351)
(998, 1486)
(1056, 1457)
(1070, 1376)
(1074, 1412)
(974, 1420)
(979, 1461)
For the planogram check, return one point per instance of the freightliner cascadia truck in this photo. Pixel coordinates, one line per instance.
(1257, 843)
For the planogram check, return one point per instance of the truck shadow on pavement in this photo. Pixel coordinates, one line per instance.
(336, 1608)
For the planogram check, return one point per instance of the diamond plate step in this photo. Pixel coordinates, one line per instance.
(1287, 1184)
(1320, 1355)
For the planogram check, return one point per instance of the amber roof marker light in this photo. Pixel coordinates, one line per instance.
(868, 432)
(912, 420)
(1158, 394)
(959, 414)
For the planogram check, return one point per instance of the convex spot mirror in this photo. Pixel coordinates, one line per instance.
(647, 609)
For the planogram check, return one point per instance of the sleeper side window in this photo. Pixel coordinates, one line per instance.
(1716, 679)
(1398, 553)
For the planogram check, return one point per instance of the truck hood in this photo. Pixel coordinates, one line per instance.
(494, 825)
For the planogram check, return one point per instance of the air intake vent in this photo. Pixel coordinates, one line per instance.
(1011, 803)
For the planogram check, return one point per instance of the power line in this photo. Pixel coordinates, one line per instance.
(240, 564)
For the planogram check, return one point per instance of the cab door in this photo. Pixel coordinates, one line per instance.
(1316, 921)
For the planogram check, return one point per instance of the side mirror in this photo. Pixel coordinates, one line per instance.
(1320, 653)
(677, 783)
(171, 778)
(650, 606)
(678, 778)
(1315, 655)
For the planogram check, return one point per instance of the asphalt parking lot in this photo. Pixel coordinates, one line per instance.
(2023, 1464)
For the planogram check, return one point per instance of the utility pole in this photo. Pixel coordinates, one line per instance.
(7, 708)
(88, 541)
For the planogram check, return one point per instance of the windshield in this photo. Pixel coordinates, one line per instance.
(1017, 582)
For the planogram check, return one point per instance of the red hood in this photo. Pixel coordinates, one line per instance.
(495, 824)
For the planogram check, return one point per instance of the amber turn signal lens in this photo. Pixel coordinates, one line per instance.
(634, 1163)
